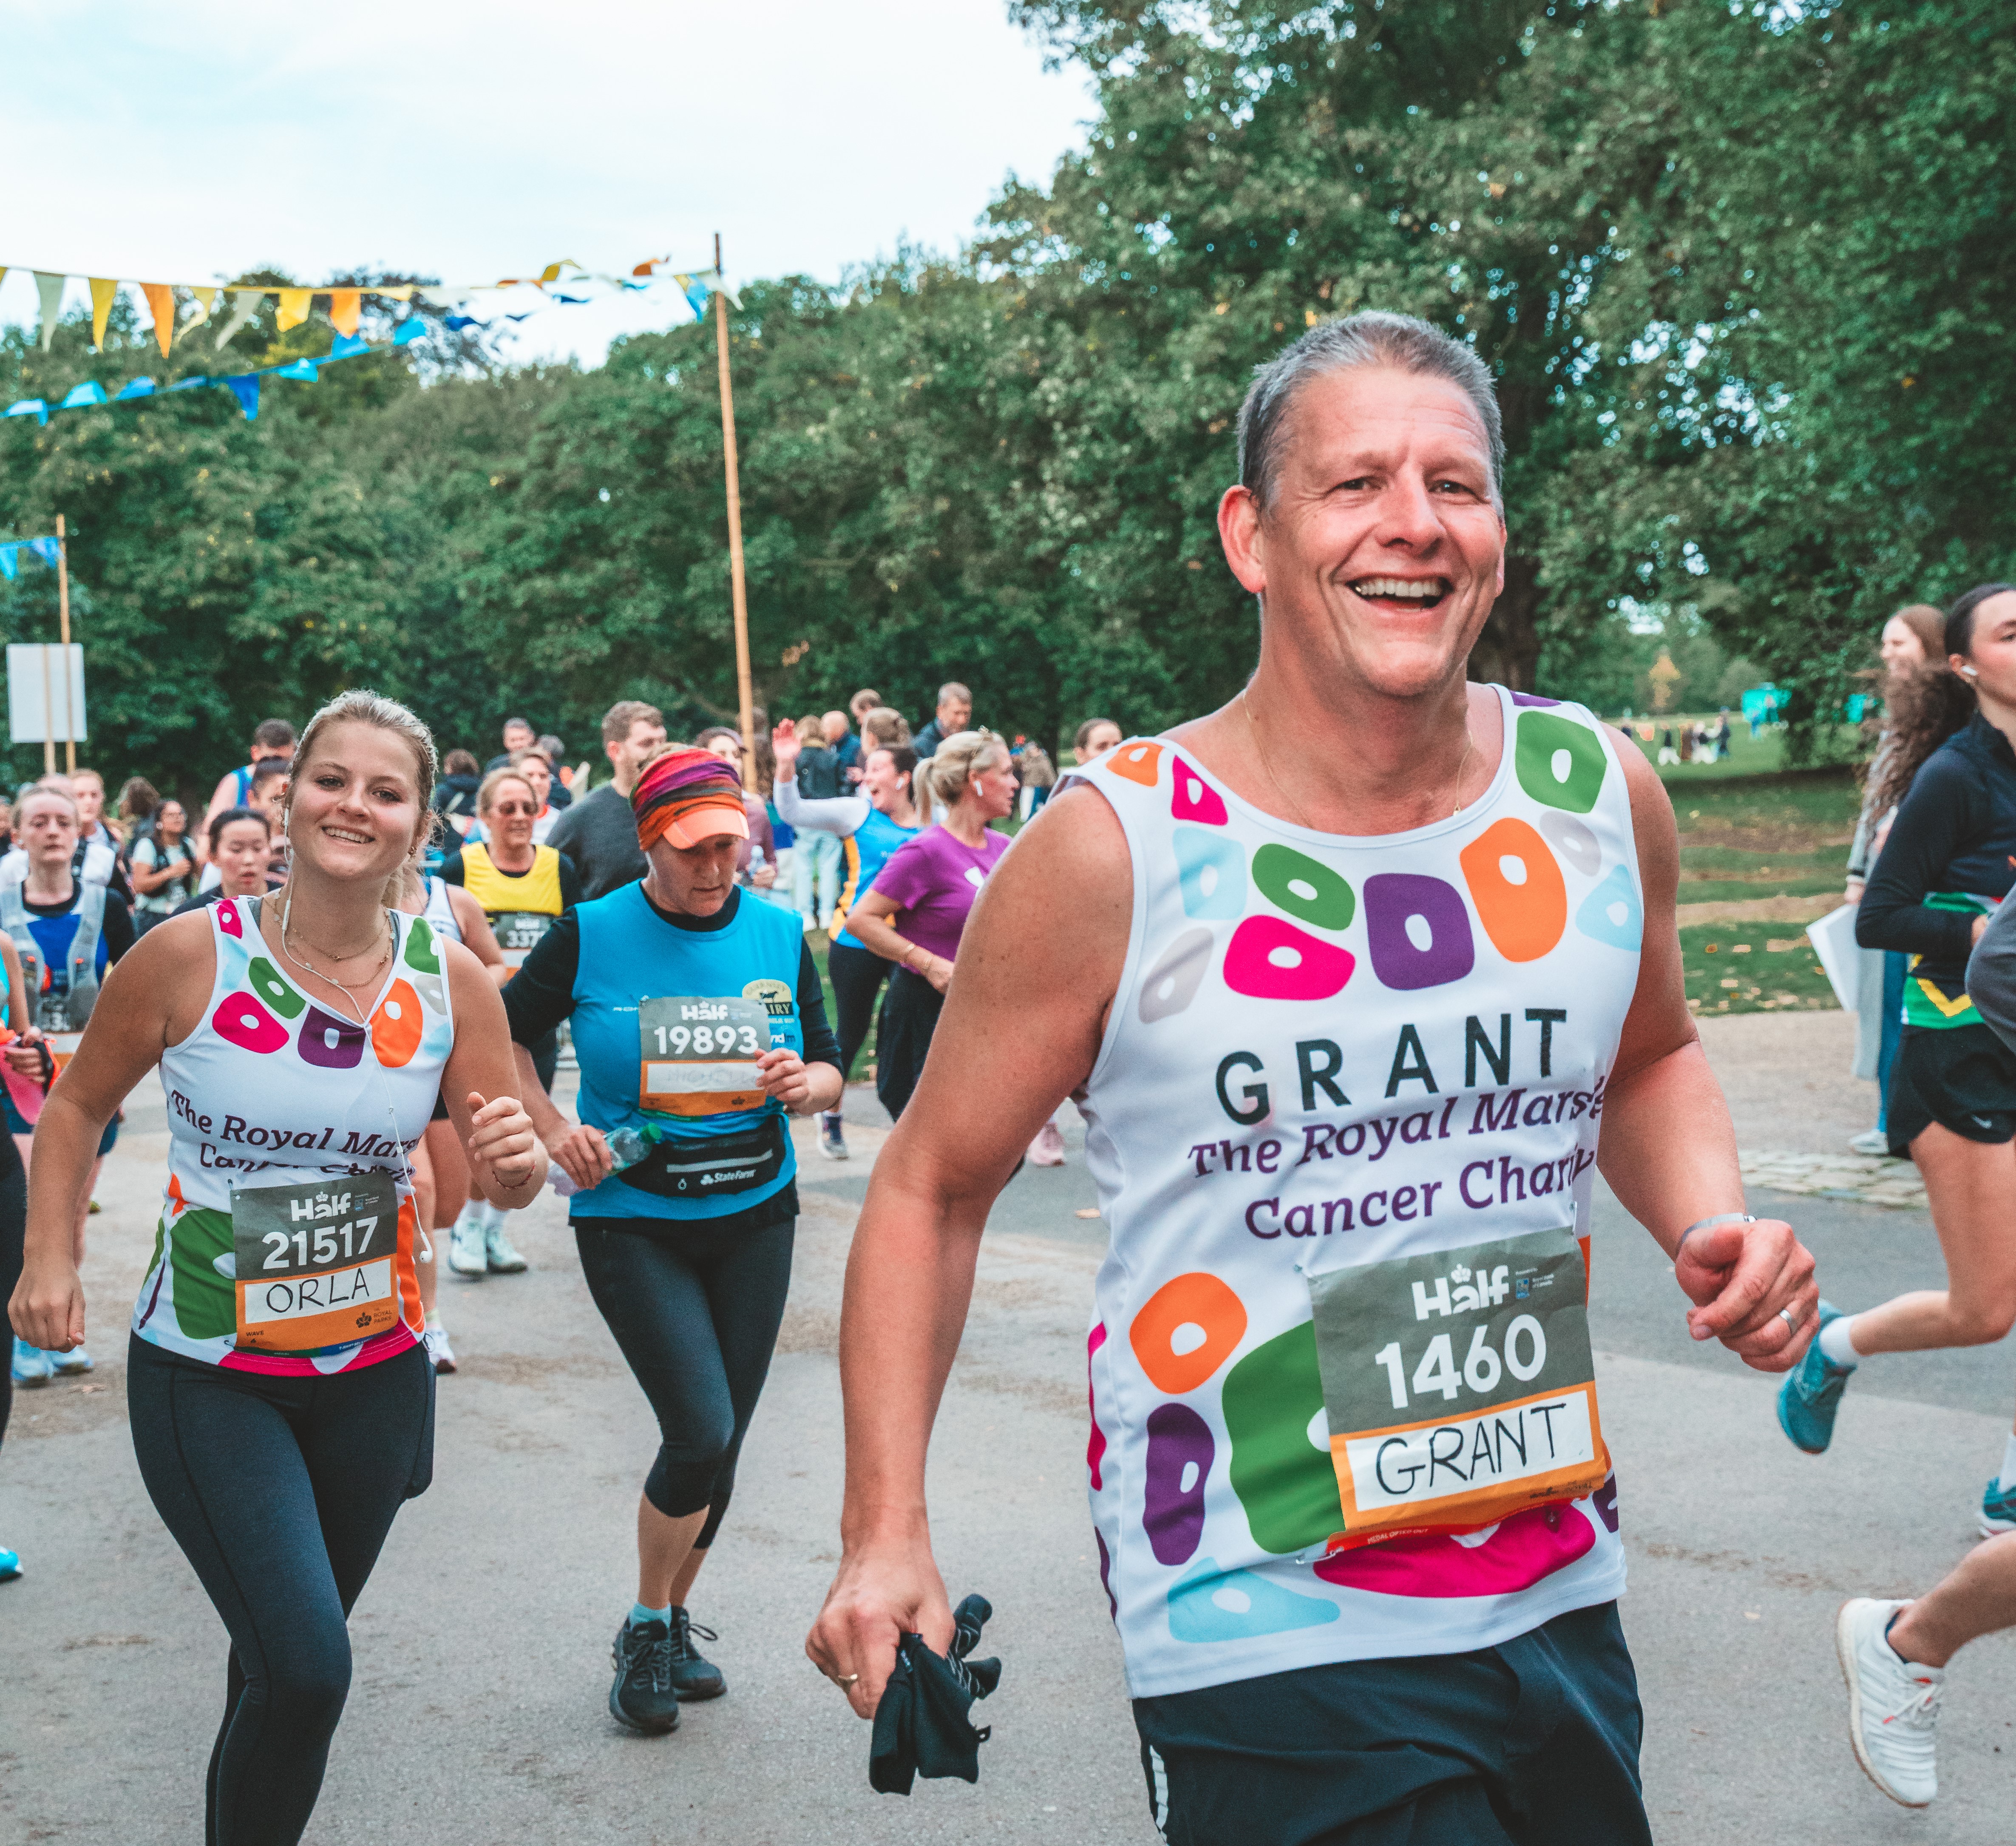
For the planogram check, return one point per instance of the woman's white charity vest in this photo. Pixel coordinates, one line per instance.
(1343, 1124)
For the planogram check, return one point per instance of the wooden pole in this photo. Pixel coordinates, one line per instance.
(62, 617)
(740, 589)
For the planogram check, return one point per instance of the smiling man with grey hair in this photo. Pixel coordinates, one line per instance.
(1353, 1505)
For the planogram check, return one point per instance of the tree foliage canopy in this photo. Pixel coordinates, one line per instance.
(1742, 273)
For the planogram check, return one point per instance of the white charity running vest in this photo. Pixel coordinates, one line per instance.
(1334, 1064)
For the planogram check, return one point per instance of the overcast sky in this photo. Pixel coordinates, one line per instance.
(193, 142)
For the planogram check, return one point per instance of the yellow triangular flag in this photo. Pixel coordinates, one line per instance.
(552, 272)
(103, 290)
(294, 307)
(344, 305)
(200, 299)
(396, 295)
(161, 305)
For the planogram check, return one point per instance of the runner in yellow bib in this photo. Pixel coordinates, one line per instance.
(524, 888)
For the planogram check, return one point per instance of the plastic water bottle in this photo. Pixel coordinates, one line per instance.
(627, 1146)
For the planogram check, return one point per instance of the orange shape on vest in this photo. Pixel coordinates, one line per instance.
(1523, 915)
(1197, 1300)
(1137, 762)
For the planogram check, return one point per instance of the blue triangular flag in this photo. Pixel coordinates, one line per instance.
(190, 383)
(455, 322)
(47, 549)
(349, 346)
(33, 407)
(411, 328)
(246, 387)
(140, 387)
(9, 565)
(303, 369)
(697, 301)
(82, 396)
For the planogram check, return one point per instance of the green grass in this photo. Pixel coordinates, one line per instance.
(1752, 967)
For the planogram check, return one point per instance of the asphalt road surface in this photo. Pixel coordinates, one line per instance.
(477, 1712)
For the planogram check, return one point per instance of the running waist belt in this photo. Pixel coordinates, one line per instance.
(699, 1166)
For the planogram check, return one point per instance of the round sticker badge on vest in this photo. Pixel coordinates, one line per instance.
(776, 998)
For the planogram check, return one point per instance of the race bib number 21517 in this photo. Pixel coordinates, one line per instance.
(1459, 1385)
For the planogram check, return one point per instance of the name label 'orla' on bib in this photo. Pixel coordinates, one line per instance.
(316, 1265)
(1459, 1385)
(698, 1055)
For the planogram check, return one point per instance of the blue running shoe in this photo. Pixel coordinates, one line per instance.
(1998, 1508)
(77, 1359)
(10, 1565)
(31, 1363)
(1811, 1393)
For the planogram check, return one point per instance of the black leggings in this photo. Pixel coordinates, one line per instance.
(857, 976)
(695, 1311)
(910, 1017)
(280, 1491)
(13, 1227)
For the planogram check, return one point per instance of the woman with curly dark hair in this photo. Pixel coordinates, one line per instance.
(1949, 860)
(1917, 687)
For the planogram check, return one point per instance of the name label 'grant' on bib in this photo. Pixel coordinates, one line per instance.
(1459, 1385)
(698, 1056)
(315, 1265)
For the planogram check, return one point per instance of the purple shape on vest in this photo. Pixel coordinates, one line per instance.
(1532, 698)
(1391, 900)
(1172, 1514)
(330, 1043)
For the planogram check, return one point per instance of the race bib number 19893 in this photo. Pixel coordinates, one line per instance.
(1459, 1385)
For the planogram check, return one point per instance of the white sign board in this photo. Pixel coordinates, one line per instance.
(1833, 938)
(45, 704)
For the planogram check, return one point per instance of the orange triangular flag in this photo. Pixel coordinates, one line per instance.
(103, 290)
(293, 308)
(161, 305)
(344, 304)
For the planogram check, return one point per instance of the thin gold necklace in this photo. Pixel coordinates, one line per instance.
(1260, 750)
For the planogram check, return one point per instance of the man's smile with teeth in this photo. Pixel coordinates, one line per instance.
(1427, 589)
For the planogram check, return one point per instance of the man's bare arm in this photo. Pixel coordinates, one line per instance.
(1669, 1147)
(1037, 966)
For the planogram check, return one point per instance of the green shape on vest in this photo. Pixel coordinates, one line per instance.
(269, 985)
(1329, 904)
(205, 1303)
(421, 951)
(1543, 736)
(1287, 1486)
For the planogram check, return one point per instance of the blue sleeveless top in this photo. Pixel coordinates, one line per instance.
(629, 953)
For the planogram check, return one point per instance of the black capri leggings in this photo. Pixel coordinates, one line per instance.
(280, 1491)
(13, 1227)
(910, 1017)
(857, 976)
(695, 1311)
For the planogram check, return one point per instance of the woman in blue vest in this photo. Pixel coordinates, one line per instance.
(871, 825)
(699, 1023)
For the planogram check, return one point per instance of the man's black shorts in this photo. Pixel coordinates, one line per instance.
(1962, 1077)
(1533, 1742)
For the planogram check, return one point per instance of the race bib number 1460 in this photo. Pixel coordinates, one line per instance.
(1459, 1385)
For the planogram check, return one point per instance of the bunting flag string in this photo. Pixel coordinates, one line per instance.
(344, 306)
(10, 554)
(244, 386)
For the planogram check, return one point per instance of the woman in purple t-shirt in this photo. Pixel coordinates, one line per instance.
(931, 881)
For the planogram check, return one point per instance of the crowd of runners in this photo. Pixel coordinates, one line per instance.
(1357, 982)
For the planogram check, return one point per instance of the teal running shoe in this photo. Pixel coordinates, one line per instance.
(1998, 1508)
(1811, 1393)
(31, 1365)
(10, 1565)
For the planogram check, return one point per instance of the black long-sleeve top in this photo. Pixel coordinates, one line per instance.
(1955, 832)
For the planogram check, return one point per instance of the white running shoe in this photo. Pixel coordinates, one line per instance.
(438, 1349)
(1893, 1704)
(1048, 1148)
(1871, 1141)
(499, 1253)
(466, 1254)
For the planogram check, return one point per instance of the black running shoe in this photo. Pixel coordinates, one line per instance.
(643, 1696)
(693, 1677)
